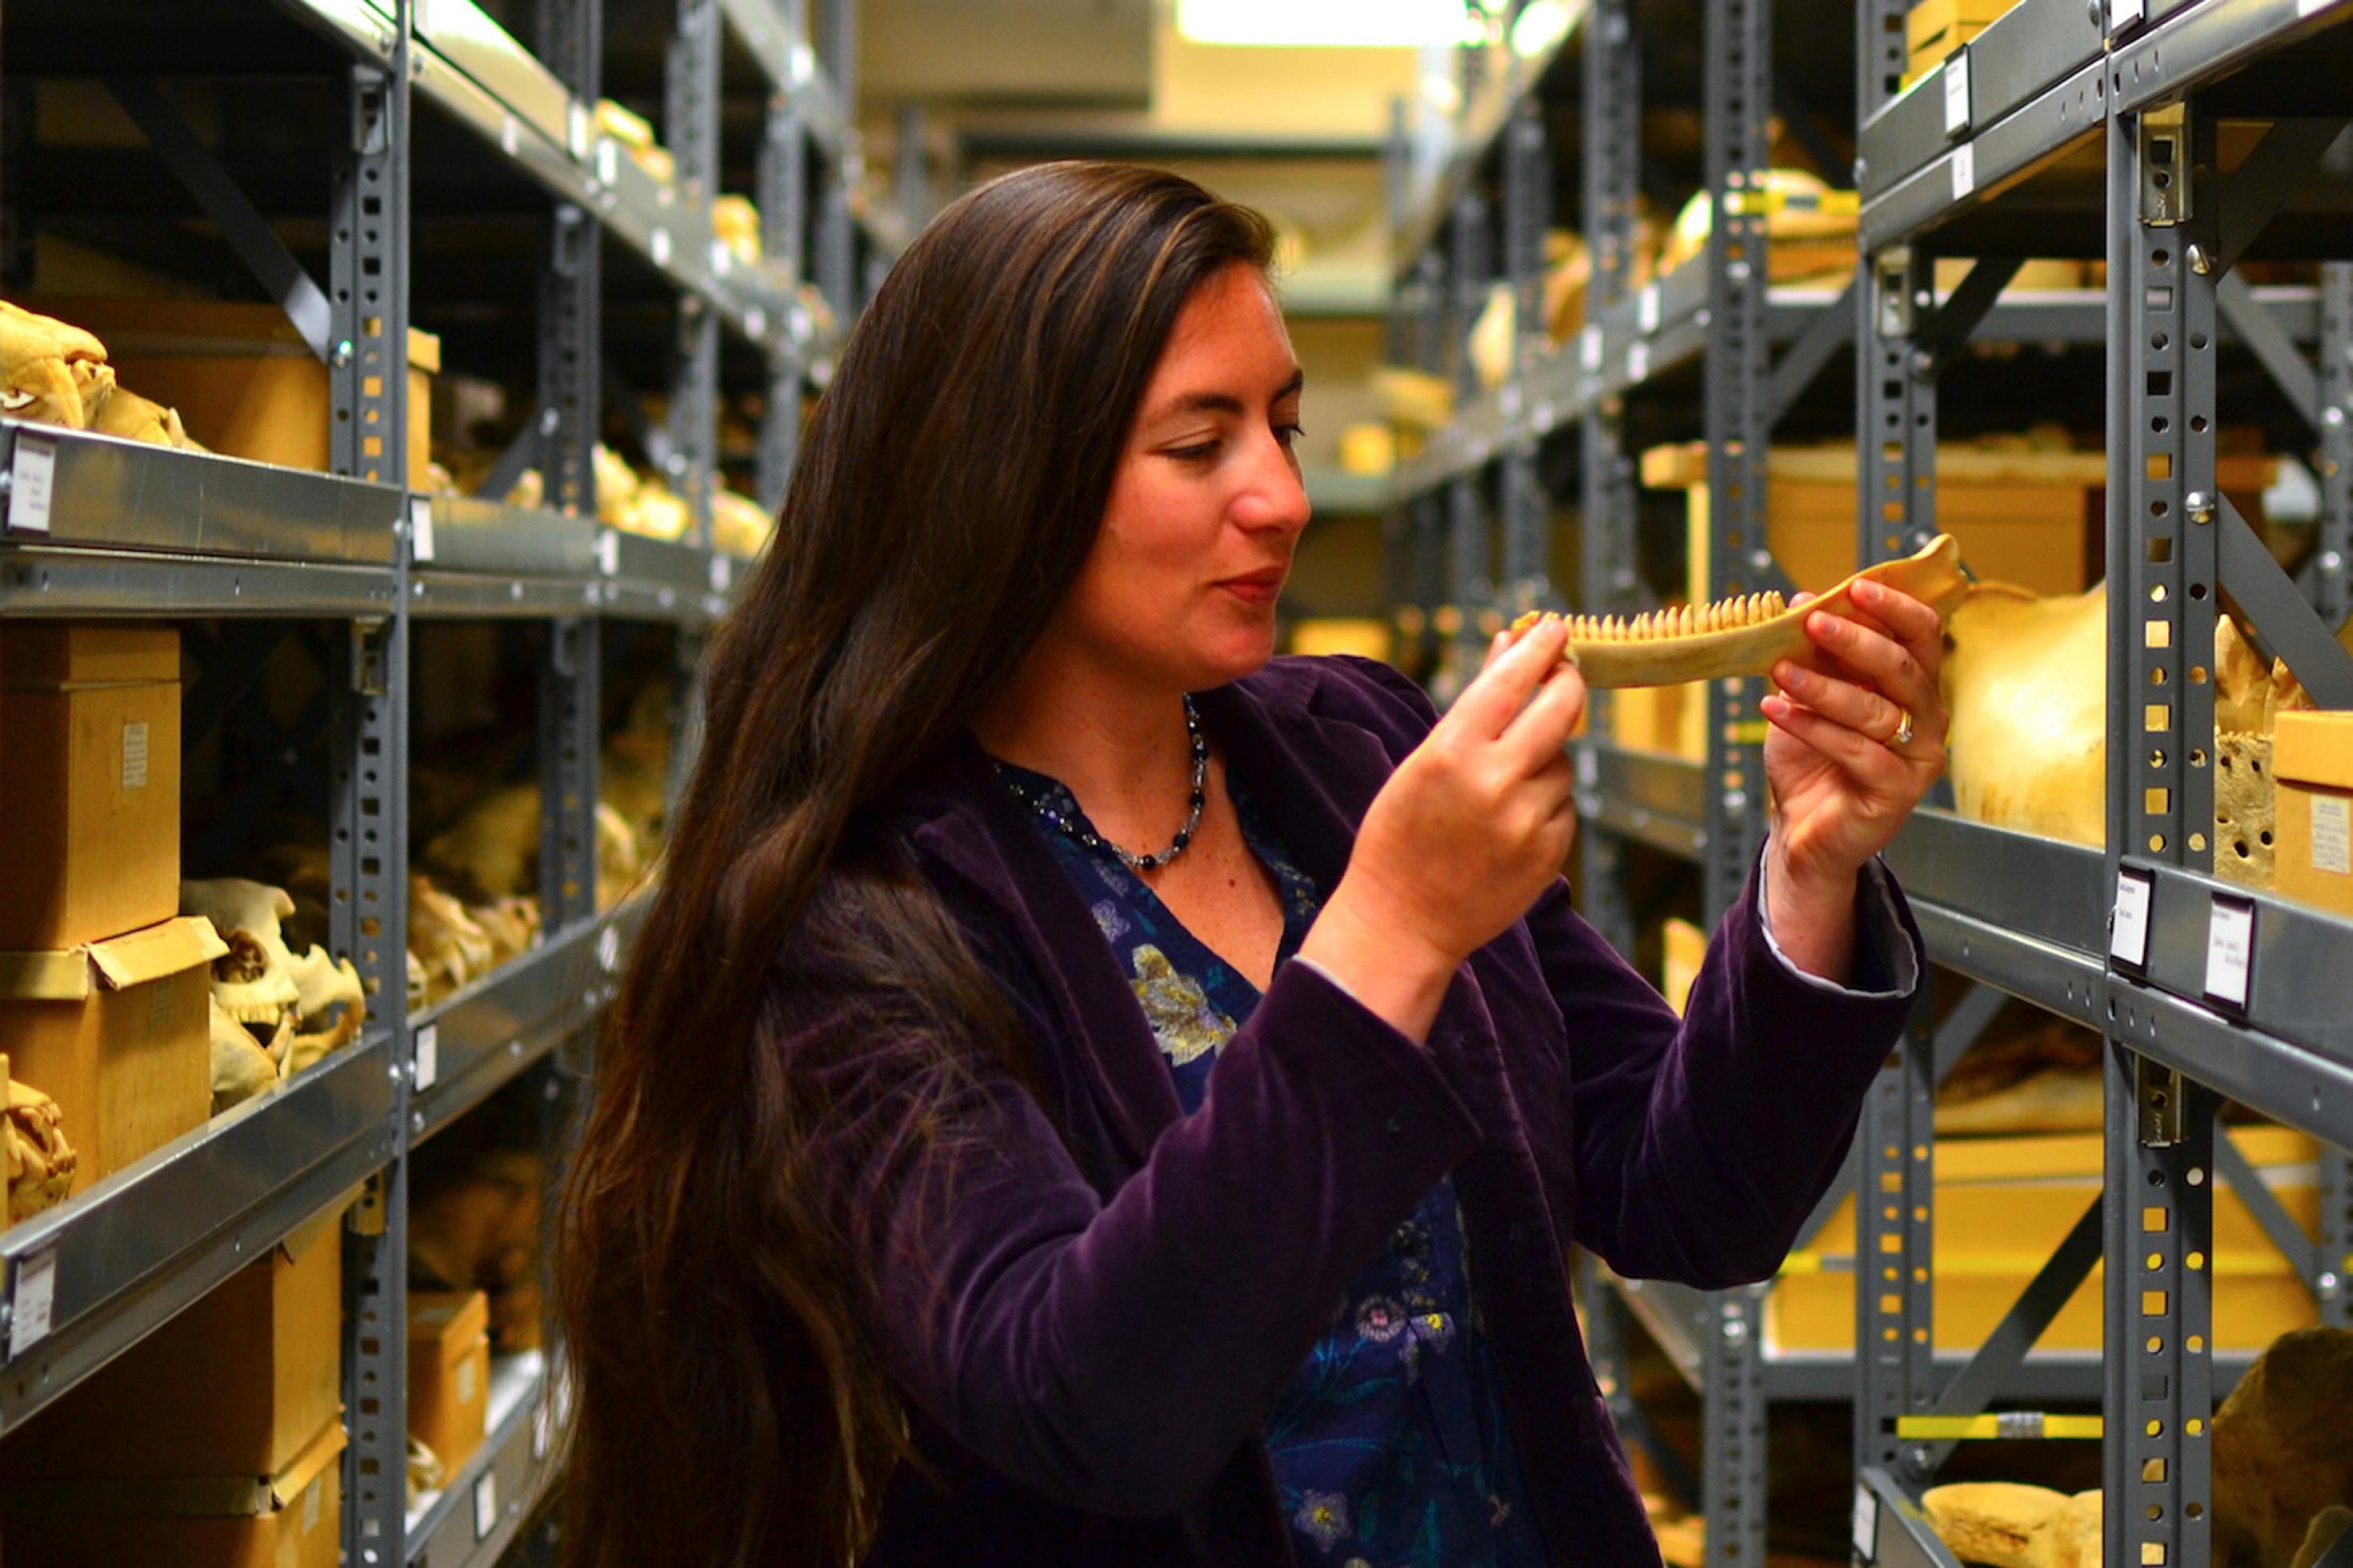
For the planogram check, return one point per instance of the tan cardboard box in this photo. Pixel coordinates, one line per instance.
(117, 1033)
(90, 781)
(449, 1372)
(2312, 765)
(291, 1518)
(240, 1383)
(244, 381)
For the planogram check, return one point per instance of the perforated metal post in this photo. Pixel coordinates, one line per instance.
(1469, 578)
(1738, 88)
(2162, 515)
(367, 842)
(1612, 158)
(570, 288)
(784, 205)
(1527, 504)
(686, 713)
(567, 774)
(691, 124)
(2333, 565)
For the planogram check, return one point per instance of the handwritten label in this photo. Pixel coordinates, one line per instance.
(32, 1301)
(134, 754)
(2229, 951)
(2128, 933)
(1965, 171)
(421, 529)
(429, 1055)
(485, 1505)
(1956, 93)
(35, 478)
(2332, 833)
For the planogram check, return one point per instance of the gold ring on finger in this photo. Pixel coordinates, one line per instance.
(1903, 735)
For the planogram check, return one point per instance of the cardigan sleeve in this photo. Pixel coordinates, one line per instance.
(1702, 1142)
(1112, 1355)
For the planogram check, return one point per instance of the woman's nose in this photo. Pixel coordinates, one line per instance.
(1272, 496)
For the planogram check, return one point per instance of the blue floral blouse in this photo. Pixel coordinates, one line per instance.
(1389, 1447)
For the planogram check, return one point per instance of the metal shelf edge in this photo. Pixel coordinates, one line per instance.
(449, 1527)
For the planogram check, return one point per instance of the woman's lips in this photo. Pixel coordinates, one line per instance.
(1258, 588)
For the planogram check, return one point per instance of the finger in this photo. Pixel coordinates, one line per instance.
(1841, 701)
(1495, 645)
(1500, 690)
(1544, 725)
(1877, 769)
(1905, 619)
(1870, 655)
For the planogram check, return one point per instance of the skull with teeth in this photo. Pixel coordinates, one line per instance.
(39, 1161)
(286, 1002)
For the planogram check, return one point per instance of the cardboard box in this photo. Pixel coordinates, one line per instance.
(2003, 1204)
(241, 1383)
(449, 1372)
(117, 1033)
(245, 382)
(89, 782)
(2312, 766)
(292, 1518)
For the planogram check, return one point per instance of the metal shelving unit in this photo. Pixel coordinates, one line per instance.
(2095, 131)
(94, 527)
(1474, 513)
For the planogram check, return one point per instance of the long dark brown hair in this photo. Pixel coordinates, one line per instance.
(729, 1407)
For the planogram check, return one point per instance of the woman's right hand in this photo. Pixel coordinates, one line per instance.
(1471, 827)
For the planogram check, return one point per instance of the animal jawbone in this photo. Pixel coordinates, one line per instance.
(1743, 636)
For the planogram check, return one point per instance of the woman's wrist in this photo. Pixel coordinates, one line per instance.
(1812, 910)
(1394, 970)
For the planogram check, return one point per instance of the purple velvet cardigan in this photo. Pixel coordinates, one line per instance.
(1092, 1303)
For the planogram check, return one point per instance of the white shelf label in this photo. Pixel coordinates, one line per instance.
(609, 160)
(608, 950)
(2123, 14)
(723, 572)
(609, 552)
(755, 321)
(542, 1427)
(510, 137)
(34, 478)
(2332, 833)
(485, 1505)
(134, 754)
(2312, 8)
(429, 1055)
(31, 1301)
(661, 248)
(1866, 1524)
(1956, 93)
(1637, 362)
(1588, 350)
(2128, 934)
(1588, 768)
(2229, 951)
(1965, 171)
(721, 258)
(575, 129)
(420, 529)
(1646, 310)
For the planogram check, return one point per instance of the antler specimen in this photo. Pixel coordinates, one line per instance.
(1743, 636)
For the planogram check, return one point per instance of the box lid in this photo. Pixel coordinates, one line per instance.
(48, 656)
(452, 1319)
(2313, 748)
(170, 947)
(176, 1496)
(135, 328)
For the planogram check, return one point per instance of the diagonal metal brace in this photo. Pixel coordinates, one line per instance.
(241, 223)
(527, 447)
(2266, 594)
(2339, 1555)
(1998, 1360)
(2279, 165)
(1967, 307)
(2261, 331)
(1824, 335)
(2232, 1166)
(1964, 1024)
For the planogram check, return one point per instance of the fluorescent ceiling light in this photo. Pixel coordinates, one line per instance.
(1324, 24)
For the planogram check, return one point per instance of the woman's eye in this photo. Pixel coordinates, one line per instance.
(1194, 454)
(1288, 434)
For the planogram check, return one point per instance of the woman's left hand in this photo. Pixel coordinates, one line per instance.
(1857, 737)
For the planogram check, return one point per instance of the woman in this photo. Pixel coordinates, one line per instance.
(1087, 1094)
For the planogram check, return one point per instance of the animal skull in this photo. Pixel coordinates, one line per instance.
(444, 937)
(40, 1163)
(326, 983)
(254, 982)
(241, 1069)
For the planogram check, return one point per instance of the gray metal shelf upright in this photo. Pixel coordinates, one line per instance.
(1989, 148)
(96, 527)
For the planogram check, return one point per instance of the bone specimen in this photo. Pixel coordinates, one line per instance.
(40, 1163)
(38, 360)
(2026, 682)
(492, 851)
(426, 1472)
(2042, 1077)
(511, 924)
(1745, 636)
(283, 999)
(739, 525)
(2283, 1447)
(326, 983)
(241, 1069)
(477, 1226)
(444, 937)
(2005, 1525)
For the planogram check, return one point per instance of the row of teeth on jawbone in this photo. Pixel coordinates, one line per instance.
(1691, 620)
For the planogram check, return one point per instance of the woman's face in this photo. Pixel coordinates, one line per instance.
(1206, 506)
